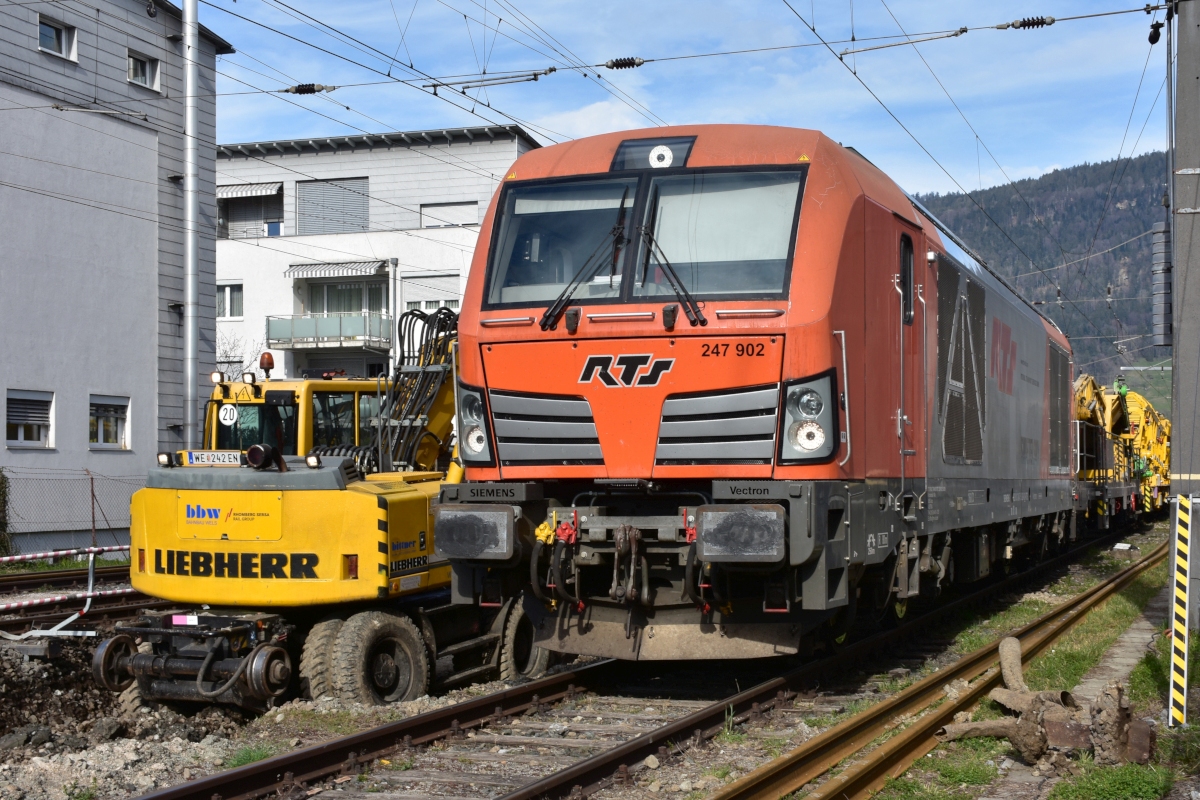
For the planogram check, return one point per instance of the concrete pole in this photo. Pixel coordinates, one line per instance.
(191, 221)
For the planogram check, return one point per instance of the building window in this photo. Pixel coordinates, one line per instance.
(250, 217)
(143, 70)
(27, 418)
(451, 304)
(449, 215)
(337, 206)
(431, 305)
(229, 301)
(56, 38)
(347, 298)
(106, 422)
(413, 305)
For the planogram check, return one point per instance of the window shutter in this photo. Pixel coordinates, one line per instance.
(339, 206)
(245, 217)
(28, 412)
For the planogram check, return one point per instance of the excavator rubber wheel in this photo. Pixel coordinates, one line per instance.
(380, 658)
(519, 656)
(131, 701)
(316, 659)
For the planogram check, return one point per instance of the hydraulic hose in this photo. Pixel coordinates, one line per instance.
(689, 577)
(208, 659)
(535, 577)
(556, 572)
(645, 597)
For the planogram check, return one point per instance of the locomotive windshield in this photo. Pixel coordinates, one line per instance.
(728, 234)
(549, 233)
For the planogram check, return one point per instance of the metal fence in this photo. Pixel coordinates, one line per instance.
(35, 500)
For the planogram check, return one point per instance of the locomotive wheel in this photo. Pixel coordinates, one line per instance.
(519, 656)
(380, 658)
(316, 659)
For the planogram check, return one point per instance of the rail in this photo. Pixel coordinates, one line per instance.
(346, 756)
(867, 775)
(61, 628)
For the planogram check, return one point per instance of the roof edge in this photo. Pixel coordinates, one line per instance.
(389, 139)
(223, 47)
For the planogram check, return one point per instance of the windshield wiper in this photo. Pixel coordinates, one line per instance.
(615, 239)
(690, 307)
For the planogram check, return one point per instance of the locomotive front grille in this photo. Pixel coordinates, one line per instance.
(544, 429)
(727, 427)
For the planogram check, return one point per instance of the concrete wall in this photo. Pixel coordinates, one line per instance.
(92, 255)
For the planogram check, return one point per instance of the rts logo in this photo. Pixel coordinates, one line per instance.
(1004, 356)
(629, 366)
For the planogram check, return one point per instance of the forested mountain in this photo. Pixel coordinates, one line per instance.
(1085, 228)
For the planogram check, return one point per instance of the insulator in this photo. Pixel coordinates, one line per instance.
(1033, 22)
(306, 88)
(1155, 32)
(624, 63)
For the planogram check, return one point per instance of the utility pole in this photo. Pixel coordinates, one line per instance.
(1184, 213)
(191, 221)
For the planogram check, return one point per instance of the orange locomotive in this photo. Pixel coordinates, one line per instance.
(724, 387)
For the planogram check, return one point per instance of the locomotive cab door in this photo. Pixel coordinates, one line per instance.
(895, 321)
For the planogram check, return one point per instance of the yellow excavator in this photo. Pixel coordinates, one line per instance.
(299, 545)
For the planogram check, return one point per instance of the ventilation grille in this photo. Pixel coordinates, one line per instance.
(735, 427)
(544, 429)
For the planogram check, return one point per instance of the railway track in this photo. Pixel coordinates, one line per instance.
(864, 776)
(576, 733)
(72, 582)
(60, 579)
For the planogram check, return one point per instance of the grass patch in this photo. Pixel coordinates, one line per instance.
(250, 754)
(966, 761)
(398, 766)
(910, 789)
(729, 733)
(1150, 680)
(1126, 782)
(720, 773)
(74, 791)
(774, 746)
(1000, 623)
(34, 567)
(340, 723)
(1083, 646)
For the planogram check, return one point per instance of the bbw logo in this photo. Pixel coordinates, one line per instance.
(628, 366)
(200, 512)
(1004, 356)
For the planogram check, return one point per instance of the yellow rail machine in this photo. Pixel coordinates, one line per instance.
(302, 535)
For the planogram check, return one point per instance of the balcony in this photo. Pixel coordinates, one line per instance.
(355, 330)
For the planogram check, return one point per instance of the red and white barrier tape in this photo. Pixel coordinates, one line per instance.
(62, 598)
(64, 553)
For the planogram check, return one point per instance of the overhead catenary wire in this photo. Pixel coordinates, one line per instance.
(927, 152)
(979, 141)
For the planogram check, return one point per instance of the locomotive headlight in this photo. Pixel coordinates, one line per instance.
(805, 403)
(474, 442)
(806, 436)
(809, 431)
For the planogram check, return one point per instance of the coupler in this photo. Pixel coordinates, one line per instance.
(238, 659)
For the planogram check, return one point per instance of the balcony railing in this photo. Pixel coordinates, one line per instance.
(365, 330)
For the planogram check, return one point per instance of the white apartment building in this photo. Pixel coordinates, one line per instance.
(322, 243)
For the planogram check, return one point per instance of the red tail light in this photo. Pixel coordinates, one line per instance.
(141, 560)
(352, 567)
